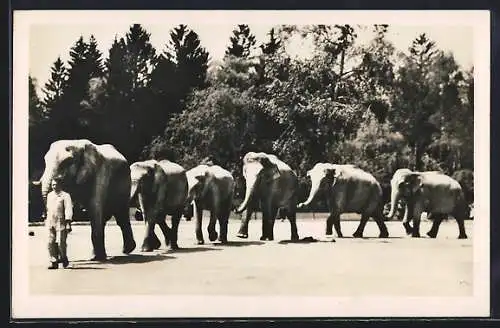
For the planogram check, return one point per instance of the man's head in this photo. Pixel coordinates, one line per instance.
(56, 184)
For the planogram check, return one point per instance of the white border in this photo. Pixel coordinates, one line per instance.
(27, 306)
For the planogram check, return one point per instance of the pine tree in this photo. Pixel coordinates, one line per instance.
(94, 59)
(190, 58)
(54, 88)
(36, 114)
(271, 46)
(242, 42)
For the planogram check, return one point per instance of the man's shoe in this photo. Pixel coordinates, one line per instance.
(65, 263)
(53, 265)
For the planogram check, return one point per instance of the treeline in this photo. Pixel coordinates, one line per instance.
(366, 104)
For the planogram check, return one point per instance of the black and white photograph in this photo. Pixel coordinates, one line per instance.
(239, 164)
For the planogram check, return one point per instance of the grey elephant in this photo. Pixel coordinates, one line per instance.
(160, 188)
(98, 178)
(211, 187)
(347, 189)
(274, 184)
(435, 193)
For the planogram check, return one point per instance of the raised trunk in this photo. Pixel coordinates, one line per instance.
(250, 188)
(312, 194)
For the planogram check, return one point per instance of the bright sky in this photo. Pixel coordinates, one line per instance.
(48, 41)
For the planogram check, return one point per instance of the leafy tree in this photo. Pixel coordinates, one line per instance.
(242, 42)
(36, 113)
(416, 97)
(375, 73)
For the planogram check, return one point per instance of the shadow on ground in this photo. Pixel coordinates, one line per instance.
(305, 240)
(125, 259)
(191, 250)
(239, 243)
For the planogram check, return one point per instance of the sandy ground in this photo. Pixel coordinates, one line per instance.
(397, 266)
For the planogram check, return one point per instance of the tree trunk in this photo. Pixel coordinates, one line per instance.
(418, 149)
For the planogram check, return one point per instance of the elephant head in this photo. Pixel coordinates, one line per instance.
(258, 170)
(142, 176)
(197, 182)
(410, 185)
(73, 161)
(396, 180)
(321, 175)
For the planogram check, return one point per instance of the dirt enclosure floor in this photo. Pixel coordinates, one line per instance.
(396, 266)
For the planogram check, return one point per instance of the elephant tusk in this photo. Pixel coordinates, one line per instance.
(36, 183)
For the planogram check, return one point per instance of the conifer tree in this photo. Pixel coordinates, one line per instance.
(242, 42)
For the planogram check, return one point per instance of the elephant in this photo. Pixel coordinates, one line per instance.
(98, 178)
(396, 198)
(274, 184)
(161, 189)
(435, 193)
(211, 187)
(348, 189)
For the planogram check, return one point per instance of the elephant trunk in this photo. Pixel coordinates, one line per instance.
(394, 201)
(314, 190)
(45, 182)
(250, 189)
(133, 188)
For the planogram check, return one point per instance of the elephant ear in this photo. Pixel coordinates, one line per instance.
(274, 172)
(88, 157)
(332, 174)
(413, 182)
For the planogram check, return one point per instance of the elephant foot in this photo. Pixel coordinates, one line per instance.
(415, 234)
(266, 238)
(384, 234)
(99, 258)
(432, 234)
(155, 243)
(200, 242)
(212, 236)
(223, 240)
(294, 237)
(146, 249)
(329, 233)
(129, 247)
(464, 236)
(242, 235)
(357, 234)
(408, 228)
(174, 246)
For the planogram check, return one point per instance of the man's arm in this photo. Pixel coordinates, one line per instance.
(68, 208)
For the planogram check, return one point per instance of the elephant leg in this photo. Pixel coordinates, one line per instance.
(416, 224)
(436, 222)
(123, 220)
(149, 236)
(406, 222)
(459, 217)
(336, 224)
(270, 225)
(176, 217)
(212, 234)
(199, 221)
(97, 226)
(266, 217)
(461, 228)
(223, 223)
(292, 217)
(361, 227)
(165, 229)
(243, 232)
(329, 224)
(379, 219)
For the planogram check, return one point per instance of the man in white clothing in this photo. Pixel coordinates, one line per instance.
(59, 216)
